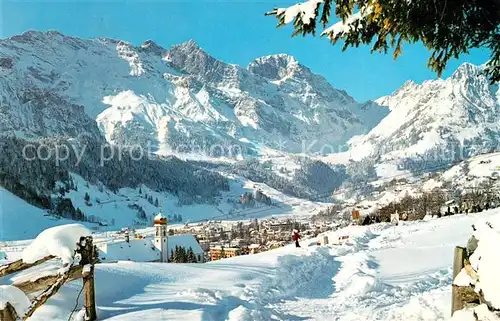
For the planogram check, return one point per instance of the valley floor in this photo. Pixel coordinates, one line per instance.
(383, 273)
(120, 209)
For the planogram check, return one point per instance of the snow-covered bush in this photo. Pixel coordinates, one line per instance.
(60, 241)
(15, 297)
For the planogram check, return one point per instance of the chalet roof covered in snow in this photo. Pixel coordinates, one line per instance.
(143, 250)
(137, 250)
(184, 240)
(15, 297)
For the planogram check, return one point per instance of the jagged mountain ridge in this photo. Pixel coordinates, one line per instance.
(172, 99)
(439, 121)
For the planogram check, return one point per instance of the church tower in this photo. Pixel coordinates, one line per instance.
(161, 238)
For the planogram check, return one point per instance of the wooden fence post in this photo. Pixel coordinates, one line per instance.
(89, 258)
(458, 263)
(8, 313)
(49, 285)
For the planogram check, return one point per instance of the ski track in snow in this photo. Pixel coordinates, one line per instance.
(382, 273)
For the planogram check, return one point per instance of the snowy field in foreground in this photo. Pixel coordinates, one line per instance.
(384, 273)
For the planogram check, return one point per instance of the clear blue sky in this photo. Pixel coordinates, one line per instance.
(235, 31)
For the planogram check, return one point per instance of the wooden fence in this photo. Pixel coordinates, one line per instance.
(465, 296)
(47, 286)
(457, 302)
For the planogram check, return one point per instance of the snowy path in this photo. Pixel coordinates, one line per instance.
(383, 274)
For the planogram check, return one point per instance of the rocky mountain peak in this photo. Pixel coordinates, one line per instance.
(190, 58)
(471, 78)
(153, 47)
(33, 35)
(188, 48)
(135, 96)
(466, 70)
(189, 45)
(436, 118)
(409, 84)
(274, 67)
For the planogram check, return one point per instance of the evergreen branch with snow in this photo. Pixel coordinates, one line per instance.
(447, 30)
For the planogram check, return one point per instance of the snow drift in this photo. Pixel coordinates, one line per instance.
(60, 241)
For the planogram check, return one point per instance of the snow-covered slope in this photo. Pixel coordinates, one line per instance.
(479, 172)
(439, 120)
(180, 99)
(20, 220)
(122, 208)
(381, 273)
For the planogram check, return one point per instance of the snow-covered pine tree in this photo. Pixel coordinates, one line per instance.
(182, 255)
(177, 254)
(191, 258)
(172, 256)
(78, 215)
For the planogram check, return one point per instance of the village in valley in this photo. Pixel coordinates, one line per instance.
(169, 241)
(204, 241)
(212, 240)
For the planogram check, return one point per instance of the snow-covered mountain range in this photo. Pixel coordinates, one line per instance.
(182, 100)
(440, 120)
(54, 85)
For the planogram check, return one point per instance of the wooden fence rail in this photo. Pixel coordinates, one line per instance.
(458, 263)
(19, 265)
(50, 285)
(32, 286)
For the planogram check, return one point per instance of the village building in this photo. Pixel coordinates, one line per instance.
(186, 241)
(219, 252)
(147, 249)
(449, 207)
(278, 226)
(205, 245)
(255, 248)
(161, 237)
(238, 242)
(275, 244)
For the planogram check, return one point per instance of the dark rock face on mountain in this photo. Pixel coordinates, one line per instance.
(54, 85)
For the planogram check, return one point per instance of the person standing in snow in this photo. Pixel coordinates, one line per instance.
(296, 237)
